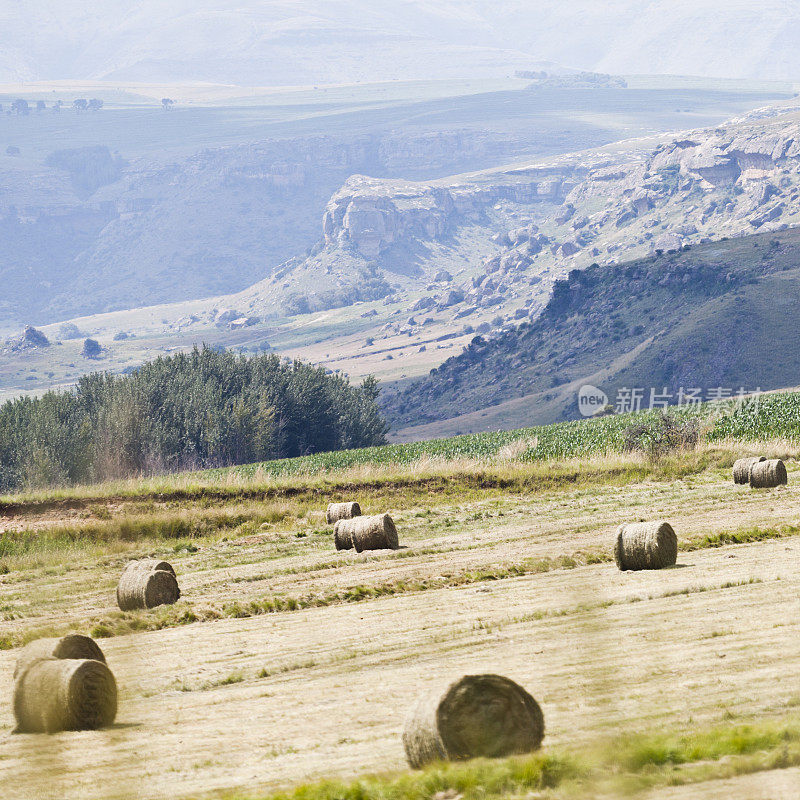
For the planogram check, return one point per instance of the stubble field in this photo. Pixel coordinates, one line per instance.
(286, 663)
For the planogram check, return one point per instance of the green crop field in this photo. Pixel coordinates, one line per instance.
(774, 416)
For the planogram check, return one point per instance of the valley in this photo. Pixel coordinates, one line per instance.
(367, 275)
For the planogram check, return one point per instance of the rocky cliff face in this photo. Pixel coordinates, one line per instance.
(87, 231)
(370, 215)
(530, 226)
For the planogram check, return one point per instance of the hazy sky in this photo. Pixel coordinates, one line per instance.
(301, 41)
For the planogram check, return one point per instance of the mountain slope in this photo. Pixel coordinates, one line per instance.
(271, 42)
(718, 315)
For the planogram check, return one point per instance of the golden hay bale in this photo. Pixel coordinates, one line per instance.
(337, 511)
(477, 716)
(138, 588)
(366, 533)
(768, 474)
(149, 565)
(646, 545)
(71, 646)
(741, 468)
(53, 694)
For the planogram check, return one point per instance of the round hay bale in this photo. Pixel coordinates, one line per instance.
(741, 468)
(366, 533)
(768, 474)
(53, 694)
(140, 589)
(342, 536)
(477, 716)
(337, 511)
(149, 565)
(646, 545)
(71, 646)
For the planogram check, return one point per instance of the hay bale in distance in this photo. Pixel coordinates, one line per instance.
(768, 474)
(366, 533)
(646, 545)
(53, 694)
(337, 511)
(477, 716)
(139, 588)
(741, 468)
(149, 565)
(71, 646)
(342, 536)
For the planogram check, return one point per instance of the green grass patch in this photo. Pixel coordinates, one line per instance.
(619, 766)
(745, 536)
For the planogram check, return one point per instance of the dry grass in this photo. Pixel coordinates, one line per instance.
(515, 450)
(546, 474)
(506, 569)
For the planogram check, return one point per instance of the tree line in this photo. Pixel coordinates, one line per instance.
(191, 410)
(21, 107)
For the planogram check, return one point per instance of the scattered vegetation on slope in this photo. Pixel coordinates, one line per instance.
(702, 317)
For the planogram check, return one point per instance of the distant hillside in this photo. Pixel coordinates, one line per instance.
(200, 202)
(716, 315)
(269, 42)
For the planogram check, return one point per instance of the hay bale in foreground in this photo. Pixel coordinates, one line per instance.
(337, 511)
(366, 533)
(53, 694)
(646, 545)
(768, 474)
(71, 646)
(139, 588)
(477, 716)
(741, 468)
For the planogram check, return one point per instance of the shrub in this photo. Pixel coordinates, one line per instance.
(661, 434)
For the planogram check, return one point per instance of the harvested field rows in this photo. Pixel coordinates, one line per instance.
(261, 702)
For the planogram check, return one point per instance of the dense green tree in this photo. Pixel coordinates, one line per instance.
(199, 409)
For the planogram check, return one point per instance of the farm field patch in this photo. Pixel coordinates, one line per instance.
(232, 695)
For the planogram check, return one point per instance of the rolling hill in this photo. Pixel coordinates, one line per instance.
(721, 314)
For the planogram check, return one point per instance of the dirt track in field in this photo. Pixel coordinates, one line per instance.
(283, 698)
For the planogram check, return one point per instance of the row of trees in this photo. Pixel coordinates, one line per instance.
(23, 107)
(200, 409)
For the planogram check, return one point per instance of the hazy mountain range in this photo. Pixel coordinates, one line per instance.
(275, 42)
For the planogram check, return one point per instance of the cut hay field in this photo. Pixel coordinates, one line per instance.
(288, 668)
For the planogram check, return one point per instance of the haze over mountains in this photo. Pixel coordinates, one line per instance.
(269, 42)
(409, 204)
